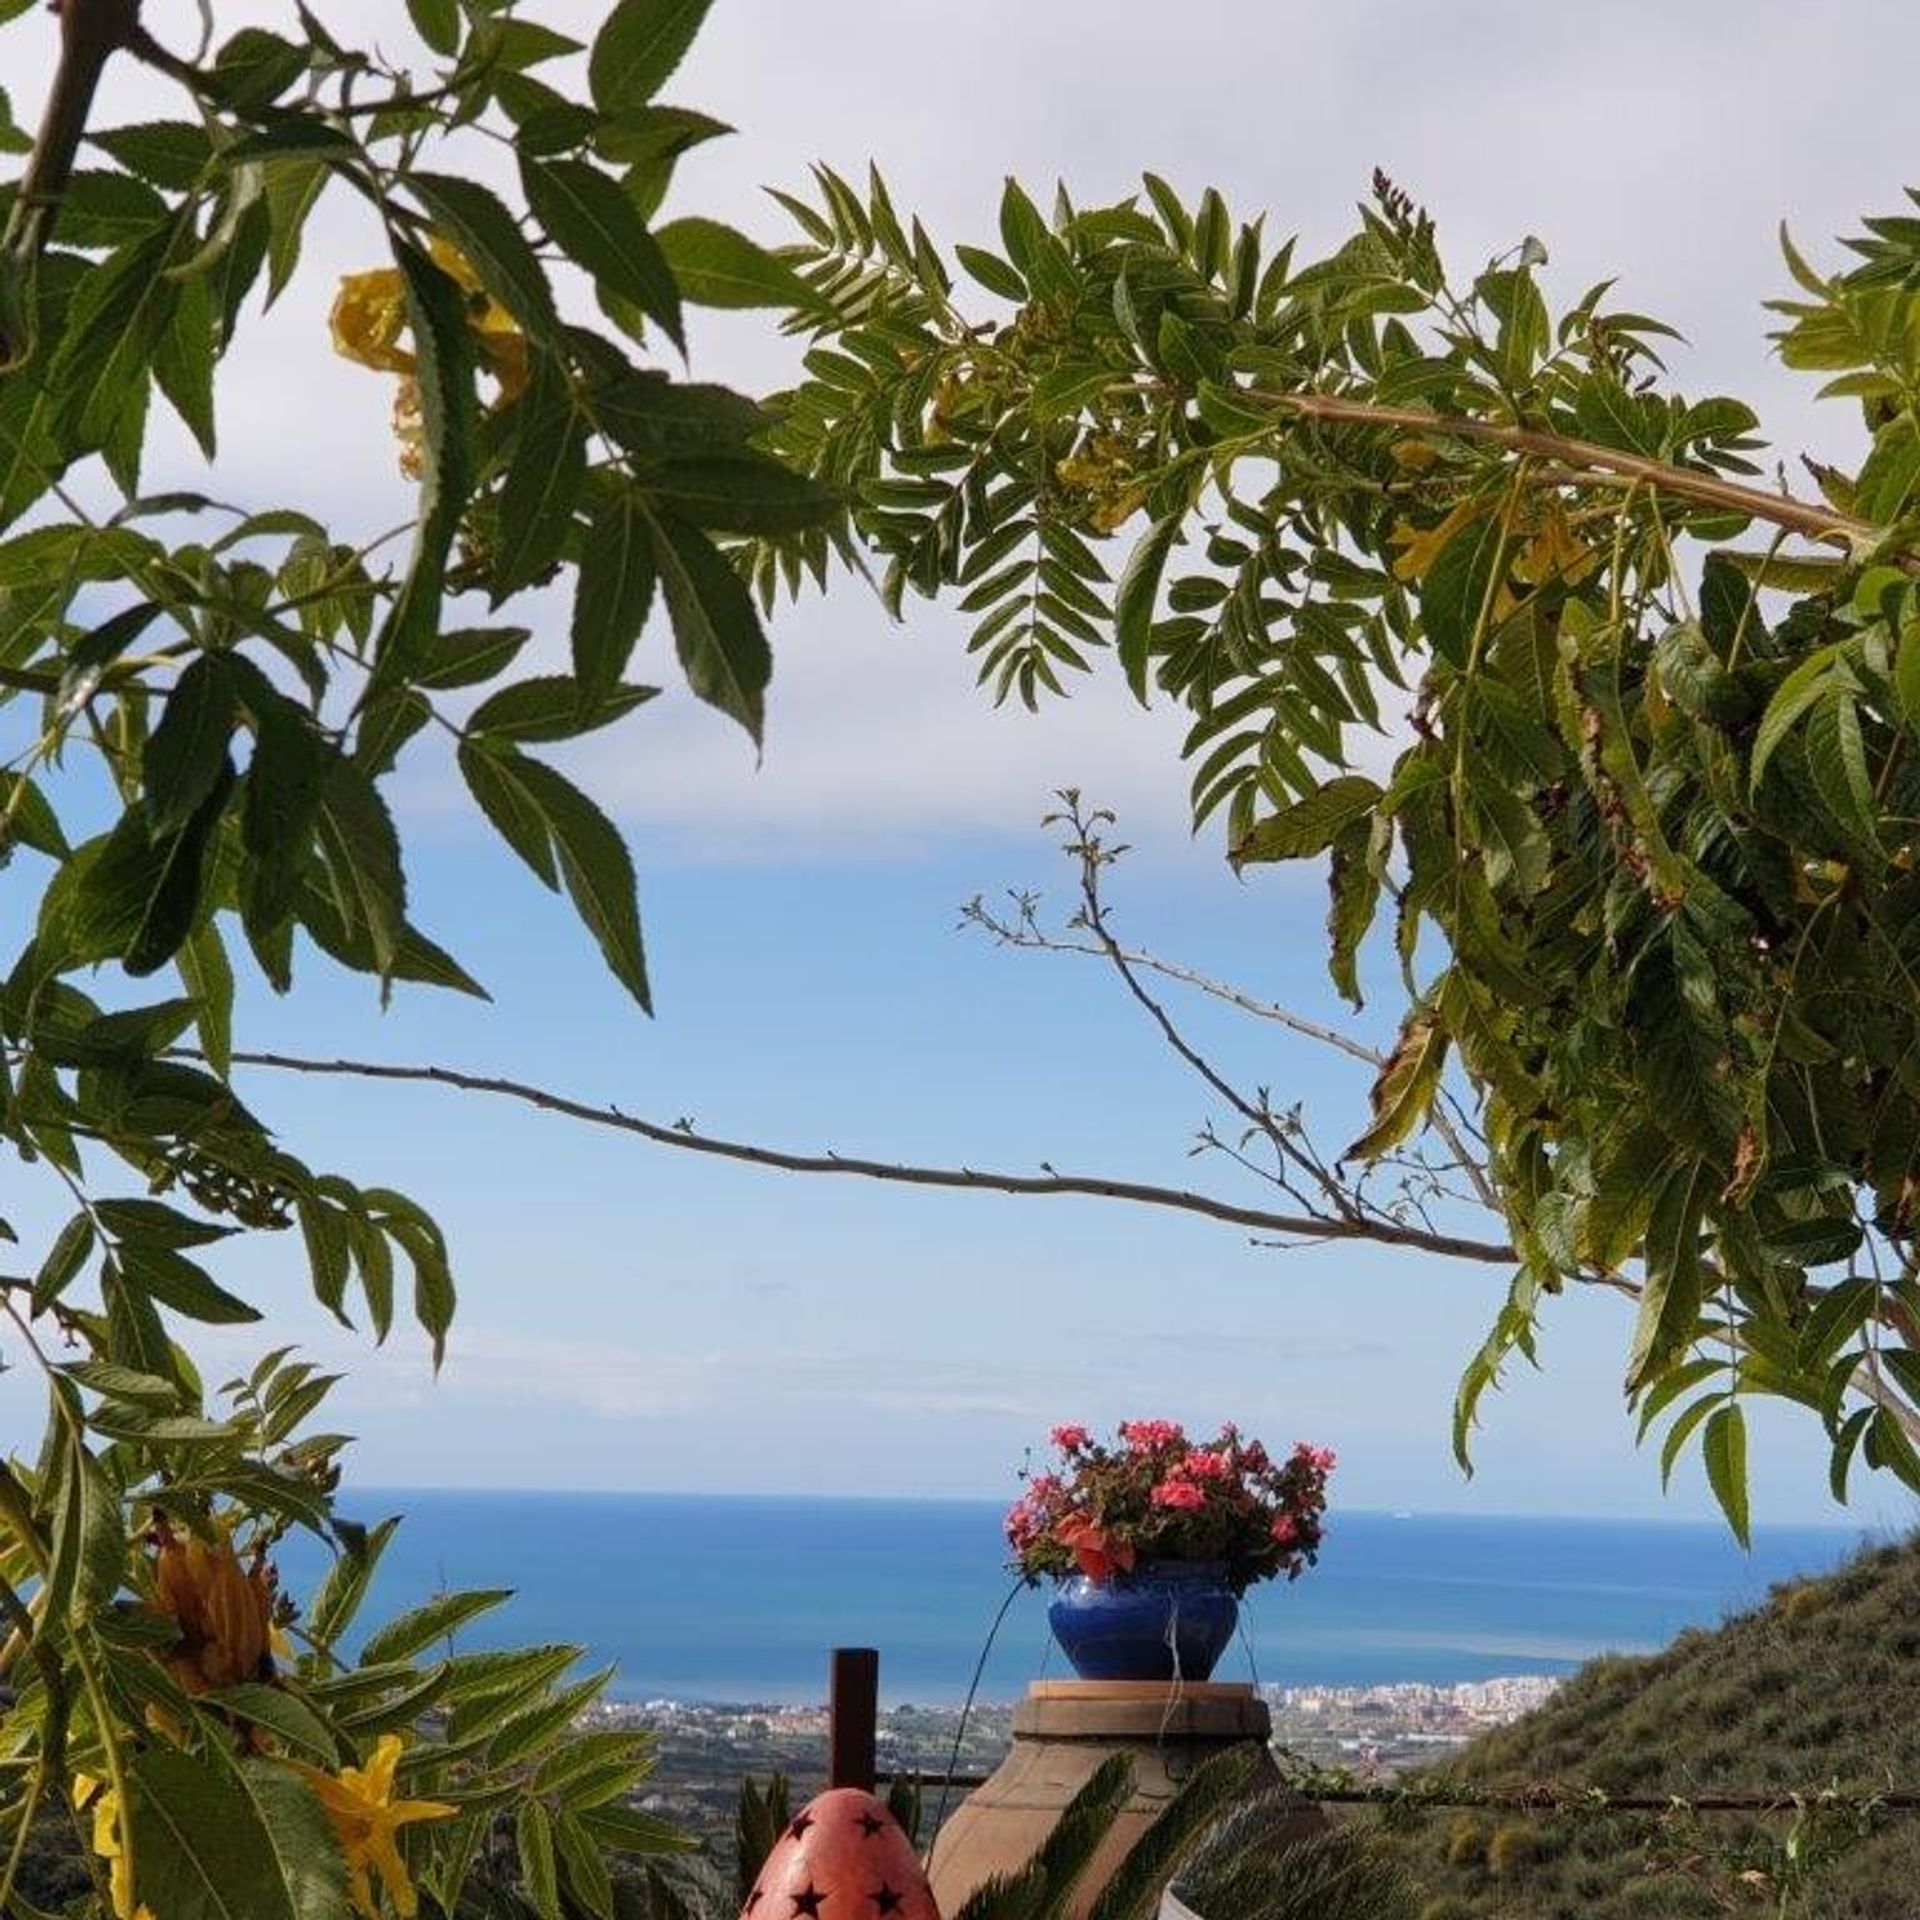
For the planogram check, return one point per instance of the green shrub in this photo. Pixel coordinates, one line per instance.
(1511, 1849)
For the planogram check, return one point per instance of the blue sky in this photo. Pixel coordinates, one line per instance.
(633, 1318)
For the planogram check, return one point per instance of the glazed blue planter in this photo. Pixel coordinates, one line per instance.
(1166, 1620)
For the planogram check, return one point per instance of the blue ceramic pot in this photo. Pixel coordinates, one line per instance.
(1166, 1620)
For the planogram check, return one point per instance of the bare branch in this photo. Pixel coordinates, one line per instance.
(965, 1179)
(1029, 937)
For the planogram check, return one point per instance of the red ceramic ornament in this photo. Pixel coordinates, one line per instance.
(842, 1857)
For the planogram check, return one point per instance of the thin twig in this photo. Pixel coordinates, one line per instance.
(964, 1179)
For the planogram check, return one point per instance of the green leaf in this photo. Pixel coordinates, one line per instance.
(1794, 695)
(1354, 883)
(588, 1880)
(449, 420)
(88, 1537)
(469, 656)
(141, 896)
(533, 1834)
(1456, 591)
(587, 214)
(106, 349)
(1311, 825)
(182, 1284)
(552, 707)
(744, 493)
(722, 649)
(992, 272)
(1406, 1085)
(65, 1258)
(345, 1586)
(184, 358)
(414, 1632)
(203, 1850)
(565, 838)
(543, 483)
(653, 416)
(613, 592)
(1136, 597)
(719, 267)
(637, 49)
(1906, 676)
(1670, 1293)
(437, 22)
(476, 221)
(1724, 1448)
(362, 853)
(186, 755)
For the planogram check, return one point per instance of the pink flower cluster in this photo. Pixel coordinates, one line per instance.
(1158, 1495)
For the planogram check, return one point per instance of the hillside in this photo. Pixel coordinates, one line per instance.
(1819, 1688)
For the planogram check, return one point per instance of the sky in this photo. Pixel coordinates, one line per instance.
(634, 1318)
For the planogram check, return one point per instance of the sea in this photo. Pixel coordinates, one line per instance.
(741, 1599)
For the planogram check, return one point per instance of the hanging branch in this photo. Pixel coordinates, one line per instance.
(683, 1136)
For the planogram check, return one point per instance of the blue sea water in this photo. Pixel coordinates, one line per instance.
(701, 1598)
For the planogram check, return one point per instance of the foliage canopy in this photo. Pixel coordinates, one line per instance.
(203, 705)
(1463, 598)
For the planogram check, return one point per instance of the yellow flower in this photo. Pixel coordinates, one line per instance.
(91, 1791)
(369, 316)
(224, 1612)
(369, 322)
(365, 1816)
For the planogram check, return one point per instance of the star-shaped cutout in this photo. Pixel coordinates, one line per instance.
(872, 1823)
(801, 1822)
(808, 1902)
(887, 1899)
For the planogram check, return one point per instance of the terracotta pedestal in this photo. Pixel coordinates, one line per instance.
(1062, 1732)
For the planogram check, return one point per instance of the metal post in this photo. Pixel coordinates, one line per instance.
(854, 1712)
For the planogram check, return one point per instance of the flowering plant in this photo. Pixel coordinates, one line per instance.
(1157, 1495)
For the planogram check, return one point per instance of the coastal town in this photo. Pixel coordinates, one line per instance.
(1371, 1733)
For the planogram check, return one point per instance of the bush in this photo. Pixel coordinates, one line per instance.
(1511, 1849)
(1466, 1842)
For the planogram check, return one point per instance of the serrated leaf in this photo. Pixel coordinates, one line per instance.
(613, 593)
(202, 1850)
(186, 754)
(1794, 695)
(552, 707)
(544, 478)
(533, 1835)
(65, 1258)
(1135, 598)
(744, 493)
(1724, 1449)
(637, 49)
(1309, 826)
(1406, 1085)
(1456, 591)
(717, 266)
(588, 215)
(478, 223)
(1670, 1292)
(362, 852)
(413, 1632)
(722, 649)
(182, 1284)
(436, 308)
(88, 1537)
(565, 838)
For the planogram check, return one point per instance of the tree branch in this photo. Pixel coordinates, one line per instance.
(964, 1179)
(1583, 462)
(91, 32)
